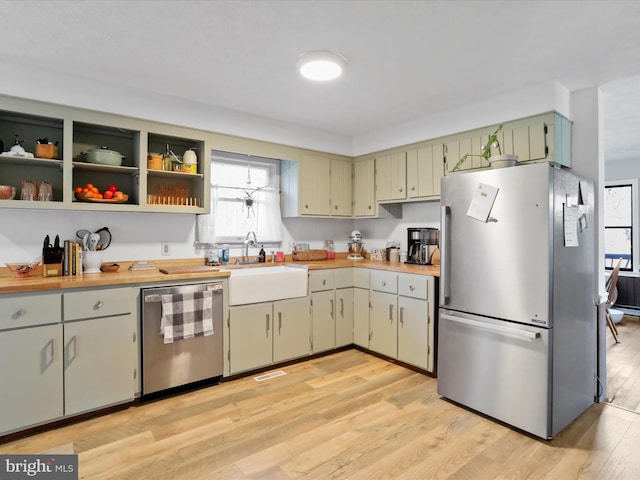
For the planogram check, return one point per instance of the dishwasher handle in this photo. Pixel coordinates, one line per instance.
(215, 288)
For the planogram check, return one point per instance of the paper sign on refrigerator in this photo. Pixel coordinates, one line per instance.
(482, 202)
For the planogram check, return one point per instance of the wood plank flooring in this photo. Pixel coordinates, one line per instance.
(623, 365)
(348, 415)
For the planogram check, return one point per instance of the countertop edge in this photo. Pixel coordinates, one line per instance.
(9, 283)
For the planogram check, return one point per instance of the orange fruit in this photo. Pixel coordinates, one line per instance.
(78, 190)
(85, 190)
(88, 186)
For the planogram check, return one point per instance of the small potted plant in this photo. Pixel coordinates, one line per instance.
(495, 161)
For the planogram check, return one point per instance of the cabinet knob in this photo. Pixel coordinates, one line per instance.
(336, 207)
(411, 287)
(306, 205)
(98, 305)
(384, 284)
(400, 189)
(369, 207)
(324, 281)
(413, 188)
(20, 313)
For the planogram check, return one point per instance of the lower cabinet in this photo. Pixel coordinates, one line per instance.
(323, 321)
(291, 336)
(98, 358)
(415, 320)
(413, 338)
(100, 348)
(265, 333)
(332, 308)
(250, 336)
(361, 317)
(64, 354)
(31, 377)
(344, 316)
(383, 336)
(401, 317)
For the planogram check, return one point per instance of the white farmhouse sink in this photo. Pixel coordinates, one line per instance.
(265, 284)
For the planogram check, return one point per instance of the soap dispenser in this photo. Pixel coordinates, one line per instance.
(262, 256)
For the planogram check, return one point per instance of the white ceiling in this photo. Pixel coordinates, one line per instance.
(406, 59)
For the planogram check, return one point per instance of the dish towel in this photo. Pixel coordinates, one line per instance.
(186, 315)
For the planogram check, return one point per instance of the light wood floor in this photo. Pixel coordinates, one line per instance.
(344, 416)
(623, 365)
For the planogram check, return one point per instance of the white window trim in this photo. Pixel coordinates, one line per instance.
(273, 166)
(635, 223)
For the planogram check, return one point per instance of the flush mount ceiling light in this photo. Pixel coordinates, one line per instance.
(321, 65)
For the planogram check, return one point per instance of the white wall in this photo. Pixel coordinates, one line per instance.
(375, 232)
(137, 236)
(622, 169)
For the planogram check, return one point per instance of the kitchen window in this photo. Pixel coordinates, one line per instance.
(245, 197)
(620, 236)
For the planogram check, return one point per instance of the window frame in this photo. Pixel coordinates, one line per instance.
(635, 233)
(272, 165)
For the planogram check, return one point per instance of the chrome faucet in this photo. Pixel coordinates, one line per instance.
(248, 242)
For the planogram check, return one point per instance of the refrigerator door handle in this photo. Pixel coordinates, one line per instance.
(444, 260)
(494, 328)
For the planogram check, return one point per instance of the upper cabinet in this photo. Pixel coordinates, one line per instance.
(318, 185)
(425, 168)
(545, 137)
(27, 129)
(74, 137)
(364, 188)
(341, 187)
(391, 177)
(153, 177)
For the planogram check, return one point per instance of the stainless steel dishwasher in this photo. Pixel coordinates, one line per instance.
(171, 365)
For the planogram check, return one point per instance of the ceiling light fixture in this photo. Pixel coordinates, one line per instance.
(321, 65)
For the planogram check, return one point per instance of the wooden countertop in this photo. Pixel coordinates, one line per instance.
(9, 283)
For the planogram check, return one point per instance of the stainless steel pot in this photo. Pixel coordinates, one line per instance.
(103, 156)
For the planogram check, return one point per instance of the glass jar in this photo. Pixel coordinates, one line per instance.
(330, 248)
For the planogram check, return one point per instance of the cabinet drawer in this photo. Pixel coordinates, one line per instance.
(321, 280)
(384, 281)
(412, 286)
(343, 277)
(18, 311)
(97, 303)
(360, 277)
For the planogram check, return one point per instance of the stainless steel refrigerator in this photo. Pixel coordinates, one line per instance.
(517, 317)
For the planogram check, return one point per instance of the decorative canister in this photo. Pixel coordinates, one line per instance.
(154, 161)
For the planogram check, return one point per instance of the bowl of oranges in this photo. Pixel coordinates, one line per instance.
(91, 193)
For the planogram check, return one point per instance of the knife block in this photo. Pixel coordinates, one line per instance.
(52, 269)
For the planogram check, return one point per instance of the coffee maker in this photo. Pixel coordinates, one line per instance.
(421, 243)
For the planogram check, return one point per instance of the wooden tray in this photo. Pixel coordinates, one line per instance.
(84, 198)
(308, 255)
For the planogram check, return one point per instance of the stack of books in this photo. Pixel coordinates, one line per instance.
(72, 260)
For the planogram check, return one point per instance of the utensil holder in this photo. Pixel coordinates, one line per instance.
(91, 261)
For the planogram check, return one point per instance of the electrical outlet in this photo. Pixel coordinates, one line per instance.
(165, 250)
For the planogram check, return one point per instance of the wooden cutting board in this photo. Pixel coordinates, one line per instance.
(435, 257)
(189, 269)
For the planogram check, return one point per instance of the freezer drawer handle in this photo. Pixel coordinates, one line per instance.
(494, 328)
